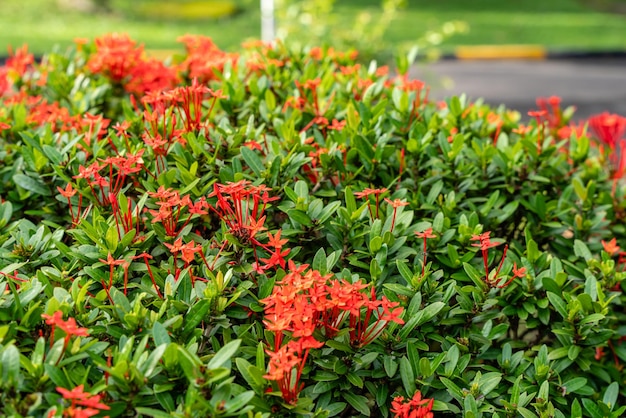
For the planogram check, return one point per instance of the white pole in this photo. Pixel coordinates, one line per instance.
(267, 21)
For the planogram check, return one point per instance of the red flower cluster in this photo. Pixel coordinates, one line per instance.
(172, 207)
(395, 204)
(366, 193)
(117, 170)
(69, 327)
(83, 404)
(610, 129)
(112, 263)
(241, 206)
(427, 234)
(187, 253)
(305, 301)
(550, 109)
(309, 102)
(123, 61)
(485, 243)
(18, 62)
(204, 59)
(413, 408)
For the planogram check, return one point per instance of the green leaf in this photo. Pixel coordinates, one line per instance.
(250, 375)
(196, 314)
(404, 271)
(550, 285)
(390, 365)
(300, 217)
(573, 351)
(435, 190)
(526, 413)
(453, 389)
(355, 380)
(455, 106)
(252, 160)
(224, 354)
(111, 238)
(577, 411)
(430, 312)
(581, 250)
(10, 362)
(189, 362)
(319, 261)
(57, 376)
(155, 413)
(591, 318)
(270, 100)
(160, 334)
(53, 154)
(148, 367)
(579, 188)
(593, 409)
(239, 401)
(489, 382)
(407, 376)
(558, 353)
(399, 289)
(32, 185)
(610, 395)
(358, 402)
(6, 210)
(474, 275)
(470, 406)
(558, 303)
(574, 384)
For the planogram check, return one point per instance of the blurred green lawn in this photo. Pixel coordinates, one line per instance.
(557, 24)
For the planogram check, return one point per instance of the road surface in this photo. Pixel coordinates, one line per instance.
(592, 85)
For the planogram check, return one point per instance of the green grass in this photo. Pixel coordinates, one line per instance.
(557, 24)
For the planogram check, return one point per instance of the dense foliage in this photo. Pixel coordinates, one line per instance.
(288, 233)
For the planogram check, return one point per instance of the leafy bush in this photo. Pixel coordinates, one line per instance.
(321, 22)
(287, 233)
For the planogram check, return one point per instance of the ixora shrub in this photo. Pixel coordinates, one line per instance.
(287, 233)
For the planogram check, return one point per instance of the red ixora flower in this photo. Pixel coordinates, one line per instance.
(365, 194)
(395, 204)
(417, 407)
(484, 243)
(611, 247)
(610, 129)
(79, 398)
(69, 327)
(426, 234)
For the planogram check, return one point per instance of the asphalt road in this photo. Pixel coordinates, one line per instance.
(592, 85)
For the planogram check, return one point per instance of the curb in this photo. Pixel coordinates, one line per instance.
(526, 52)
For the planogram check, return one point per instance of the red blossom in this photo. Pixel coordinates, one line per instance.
(305, 301)
(204, 59)
(610, 129)
(366, 193)
(426, 234)
(416, 407)
(69, 327)
(395, 204)
(19, 61)
(611, 247)
(83, 404)
(485, 243)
